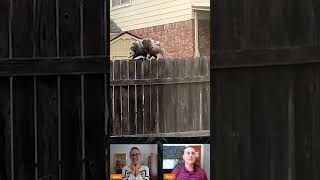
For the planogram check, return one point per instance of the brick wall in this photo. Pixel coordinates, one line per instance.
(177, 38)
(204, 37)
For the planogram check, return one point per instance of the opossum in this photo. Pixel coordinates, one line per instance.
(154, 49)
(137, 49)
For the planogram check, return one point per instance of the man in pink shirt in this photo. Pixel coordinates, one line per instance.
(188, 170)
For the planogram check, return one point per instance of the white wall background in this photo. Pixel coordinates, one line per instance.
(206, 159)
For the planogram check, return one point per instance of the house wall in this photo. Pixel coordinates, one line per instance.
(169, 35)
(200, 1)
(148, 13)
(167, 21)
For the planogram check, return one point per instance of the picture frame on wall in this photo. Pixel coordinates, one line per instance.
(119, 160)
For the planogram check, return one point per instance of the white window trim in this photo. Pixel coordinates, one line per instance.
(121, 5)
(196, 35)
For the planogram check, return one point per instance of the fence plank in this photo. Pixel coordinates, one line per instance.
(117, 117)
(205, 95)
(181, 97)
(111, 69)
(188, 97)
(45, 29)
(132, 121)
(94, 36)
(147, 121)
(276, 120)
(242, 154)
(47, 127)
(139, 99)
(316, 126)
(71, 127)
(194, 97)
(4, 29)
(174, 100)
(23, 129)
(5, 128)
(22, 28)
(94, 102)
(169, 98)
(124, 98)
(163, 92)
(304, 93)
(69, 28)
(224, 140)
(154, 99)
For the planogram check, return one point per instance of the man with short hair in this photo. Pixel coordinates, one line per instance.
(188, 170)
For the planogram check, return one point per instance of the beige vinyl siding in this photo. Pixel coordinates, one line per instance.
(148, 13)
(200, 1)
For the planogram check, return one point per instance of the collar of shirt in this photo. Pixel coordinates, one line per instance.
(186, 171)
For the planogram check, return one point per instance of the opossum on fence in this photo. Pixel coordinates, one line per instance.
(146, 48)
(154, 49)
(137, 49)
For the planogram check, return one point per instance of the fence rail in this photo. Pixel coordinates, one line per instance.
(162, 96)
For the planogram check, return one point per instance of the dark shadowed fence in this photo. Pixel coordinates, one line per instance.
(266, 90)
(53, 77)
(164, 96)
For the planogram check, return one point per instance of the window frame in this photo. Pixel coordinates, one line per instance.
(121, 5)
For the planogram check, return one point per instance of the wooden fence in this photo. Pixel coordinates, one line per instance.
(152, 97)
(266, 90)
(53, 95)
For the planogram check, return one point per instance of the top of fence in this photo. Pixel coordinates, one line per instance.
(162, 71)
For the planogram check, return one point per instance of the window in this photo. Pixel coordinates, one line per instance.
(119, 2)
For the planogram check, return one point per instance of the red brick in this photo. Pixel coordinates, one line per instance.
(177, 38)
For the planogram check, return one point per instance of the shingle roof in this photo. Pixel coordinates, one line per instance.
(114, 28)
